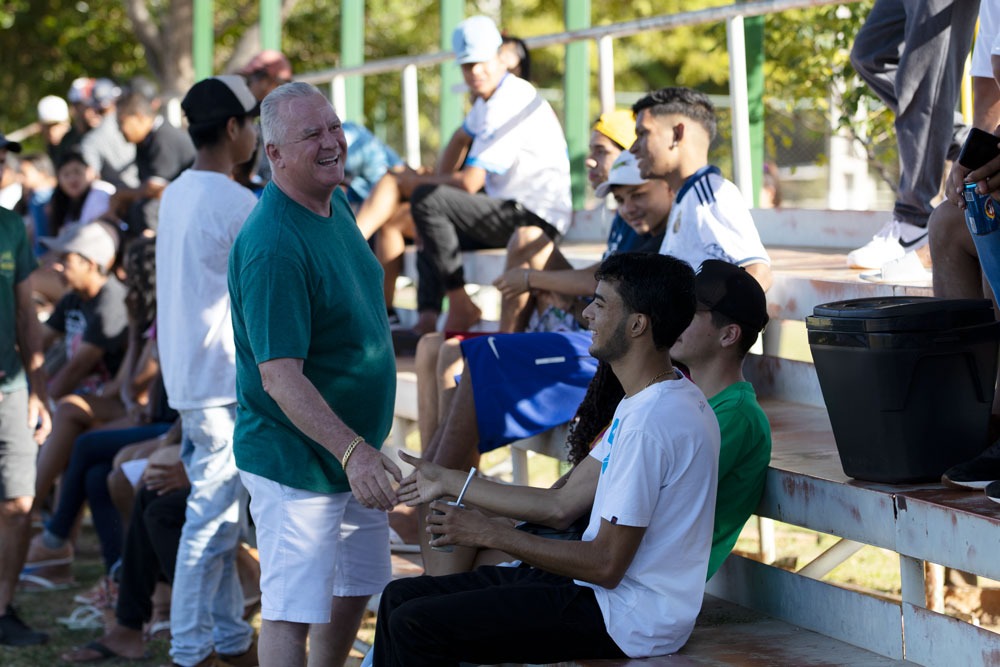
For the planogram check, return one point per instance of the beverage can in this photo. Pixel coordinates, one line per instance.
(980, 211)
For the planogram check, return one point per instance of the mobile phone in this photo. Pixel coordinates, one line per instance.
(980, 147)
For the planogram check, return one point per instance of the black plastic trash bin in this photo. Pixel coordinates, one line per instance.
(908, 382)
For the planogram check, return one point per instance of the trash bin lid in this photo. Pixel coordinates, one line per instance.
(900, 313)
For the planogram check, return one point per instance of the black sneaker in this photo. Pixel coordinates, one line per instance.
(13, 631)
(993, 491)
(977, 473)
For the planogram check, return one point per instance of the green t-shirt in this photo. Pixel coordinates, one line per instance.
(308, 287)
(16, 264)
(743, 459)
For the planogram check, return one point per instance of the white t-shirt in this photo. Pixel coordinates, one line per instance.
(710, 220)
(517, 139)
(987, 39)
(659, 469)
(200, 214)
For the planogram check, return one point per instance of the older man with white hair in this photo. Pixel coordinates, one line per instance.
(316, 387)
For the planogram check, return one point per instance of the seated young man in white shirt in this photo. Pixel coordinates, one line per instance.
(634, 585)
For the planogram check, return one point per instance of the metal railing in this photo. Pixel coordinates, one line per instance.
(604, 36)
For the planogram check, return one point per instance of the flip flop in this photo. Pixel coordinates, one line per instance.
(84, 617)
(158, 630)
(102, 651)
(36, 583)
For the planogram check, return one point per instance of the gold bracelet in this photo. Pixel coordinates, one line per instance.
(349, 451)
(527, 281)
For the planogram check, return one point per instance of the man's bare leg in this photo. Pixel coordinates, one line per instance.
(390, 245)
(956, 263)
(282, 643)
(426, 362)
(380, 206)
(15, 529)
(528, 248)
(330, 643)
(957, 274)
(463, 314)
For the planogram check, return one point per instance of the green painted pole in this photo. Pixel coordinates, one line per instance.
(270, 24)
(451, 106)
(352, 52)
(753, 31)
(576, 82)
(203, 39)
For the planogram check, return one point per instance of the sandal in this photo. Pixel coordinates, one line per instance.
(37, 583)
(158, 630)
(84, 617)
(98, 653)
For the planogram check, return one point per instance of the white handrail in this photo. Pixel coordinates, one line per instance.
(732, 14)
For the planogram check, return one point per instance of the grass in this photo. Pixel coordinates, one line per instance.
(41, 609)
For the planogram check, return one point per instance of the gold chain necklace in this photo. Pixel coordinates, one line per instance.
(660, 375)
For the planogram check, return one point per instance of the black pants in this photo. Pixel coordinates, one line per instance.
(450, 220)
(150, 552)
(492, 615)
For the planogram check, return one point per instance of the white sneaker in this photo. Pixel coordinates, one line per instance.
(906, 269)
(891, 242)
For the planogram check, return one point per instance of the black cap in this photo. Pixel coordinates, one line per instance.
(12, 146)
(218, 98)
(729, 290)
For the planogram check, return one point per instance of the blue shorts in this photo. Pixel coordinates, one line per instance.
(526, 383)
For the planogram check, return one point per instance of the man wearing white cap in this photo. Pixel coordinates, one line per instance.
(516, 153)
(57, 130)
(201, 212)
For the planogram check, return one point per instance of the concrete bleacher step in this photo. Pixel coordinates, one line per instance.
(727, 634)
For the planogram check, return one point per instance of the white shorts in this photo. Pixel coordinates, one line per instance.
(314, 546)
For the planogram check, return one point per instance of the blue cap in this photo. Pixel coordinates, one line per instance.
(476, 40)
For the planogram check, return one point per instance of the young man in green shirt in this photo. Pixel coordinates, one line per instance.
(731, 313)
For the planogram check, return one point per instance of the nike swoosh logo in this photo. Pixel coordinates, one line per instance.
(908, 244)
(493, 346)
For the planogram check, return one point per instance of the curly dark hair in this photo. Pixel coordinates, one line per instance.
(604, 393)
(140, 279)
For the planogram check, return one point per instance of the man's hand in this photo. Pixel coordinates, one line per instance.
(424, 484)
(462, 526)
(407, 180)
(165, 477)
(39, 419)
(513, 282)
(954, 188)
(371, 473)
(987, 179)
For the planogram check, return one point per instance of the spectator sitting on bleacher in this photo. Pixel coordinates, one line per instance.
(959, 254)
(730, 313)
(634, 584)
(107, 152)
(517, 153)
(674, 128)
(79, 197)
(162, 152)
(92, 322)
